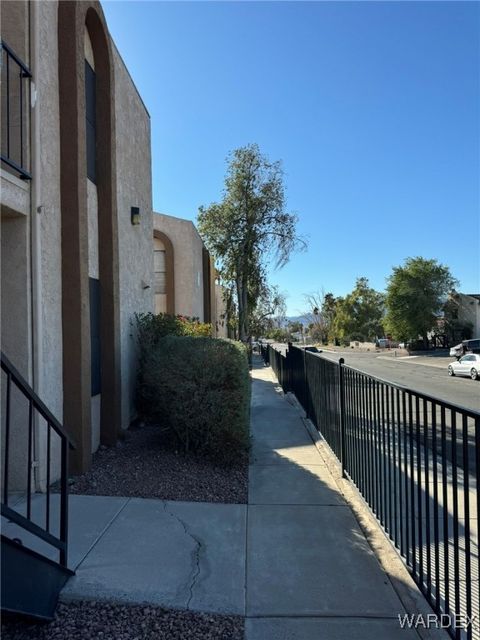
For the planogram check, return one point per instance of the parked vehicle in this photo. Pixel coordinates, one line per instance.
(467, 346)
(456, 351)
(468, 365)
(472, 346)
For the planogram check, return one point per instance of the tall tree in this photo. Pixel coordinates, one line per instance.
(249, 227)
(269, 311)
(416, 294)
(359, 314)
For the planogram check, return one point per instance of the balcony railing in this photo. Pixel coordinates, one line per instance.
(15, 95)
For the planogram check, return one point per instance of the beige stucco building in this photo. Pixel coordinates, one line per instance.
(467, 311)
(76, 220)
(184, 274)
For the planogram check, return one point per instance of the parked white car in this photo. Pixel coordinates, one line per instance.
(468, 365)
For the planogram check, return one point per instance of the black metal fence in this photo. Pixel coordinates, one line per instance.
(416, 461)
(27, 424)
(14, 111)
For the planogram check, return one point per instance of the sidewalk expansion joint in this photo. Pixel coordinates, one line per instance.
(103, 532)
(196, 553)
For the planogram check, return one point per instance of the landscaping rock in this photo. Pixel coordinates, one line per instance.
(87, 620)
(148, 466)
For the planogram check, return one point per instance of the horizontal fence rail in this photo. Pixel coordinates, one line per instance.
(414, 458)
(31, 434)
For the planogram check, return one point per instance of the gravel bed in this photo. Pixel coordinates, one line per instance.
(146, 465)
(105, 621)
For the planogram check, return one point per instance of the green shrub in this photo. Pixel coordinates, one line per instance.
(200, 388)
(151, 328)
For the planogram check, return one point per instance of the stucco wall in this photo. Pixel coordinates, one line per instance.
(15, 194)
(46, 195)
(15, 321)
(48, 176)
(15, 209)
(44, 215)
(92, 208)
(133, 163)
(15, 283)
(188, 265)
(134, 186)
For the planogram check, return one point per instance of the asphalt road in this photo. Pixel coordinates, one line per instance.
(431, 379)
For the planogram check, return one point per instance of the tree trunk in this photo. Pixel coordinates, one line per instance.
(242, 310)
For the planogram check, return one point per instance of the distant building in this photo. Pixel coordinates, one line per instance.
(184, 273)
(466, 311)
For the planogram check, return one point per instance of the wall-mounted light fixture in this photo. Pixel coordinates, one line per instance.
(135, 215)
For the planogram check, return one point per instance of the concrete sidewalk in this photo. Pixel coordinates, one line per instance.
(310, 571)
(293, 561)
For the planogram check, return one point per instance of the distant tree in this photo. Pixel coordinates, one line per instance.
(279, 335)
(359, 315)
(295, 327)
(329, 312)
(316, 333)
(416, 293)
(249, 228)
(322, 309)
(269, 311)
(312, 315)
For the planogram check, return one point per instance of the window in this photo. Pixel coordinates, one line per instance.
(91, 120)
(160, 271)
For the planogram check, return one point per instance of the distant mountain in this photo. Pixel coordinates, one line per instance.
(301, 319)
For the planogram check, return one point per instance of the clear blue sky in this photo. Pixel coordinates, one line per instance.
(373, 108)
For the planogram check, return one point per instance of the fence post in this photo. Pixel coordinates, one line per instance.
(342, 416)
(288, 362)
(305, 383)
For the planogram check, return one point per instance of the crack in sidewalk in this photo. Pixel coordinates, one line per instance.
(196, 553)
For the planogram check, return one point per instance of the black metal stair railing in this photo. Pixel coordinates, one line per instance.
(20, 405)
(15, 109)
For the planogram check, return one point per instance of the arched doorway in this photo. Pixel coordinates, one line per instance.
(88, 332)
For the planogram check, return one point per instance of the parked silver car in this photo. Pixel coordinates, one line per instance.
(468, 365)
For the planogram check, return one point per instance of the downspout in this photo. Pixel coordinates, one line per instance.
(35, 234)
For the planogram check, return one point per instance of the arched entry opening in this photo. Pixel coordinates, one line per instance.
(90, 284)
